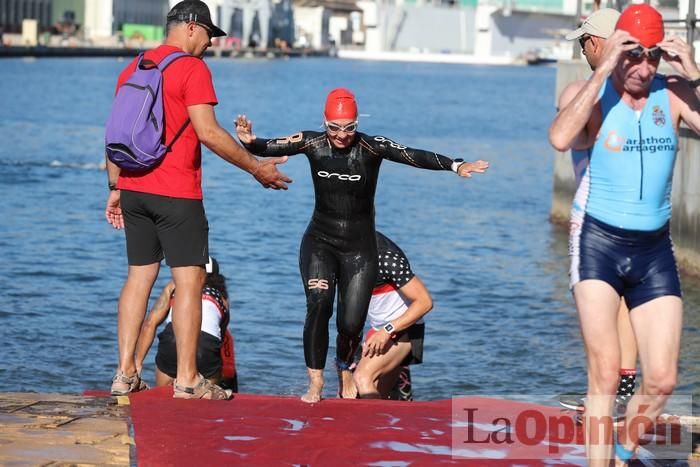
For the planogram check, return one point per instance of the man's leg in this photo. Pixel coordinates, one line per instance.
(389, 384)
(628, 354)
(658, 325)
(187, 320)
(371, 369)
(133, 302)
(597, 304)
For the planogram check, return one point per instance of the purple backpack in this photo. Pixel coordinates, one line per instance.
(134, 137)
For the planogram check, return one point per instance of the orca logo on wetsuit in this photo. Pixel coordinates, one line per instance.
(344, 177)
(318, 284)
(381, 139)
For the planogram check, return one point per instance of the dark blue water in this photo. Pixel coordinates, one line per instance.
(503, 322)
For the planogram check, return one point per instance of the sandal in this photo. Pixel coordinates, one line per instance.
(203, 390)
(123, 385)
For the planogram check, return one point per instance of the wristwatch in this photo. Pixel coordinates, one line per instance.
(694, 83)
(389, 328)
(456, 163)
(112, 186)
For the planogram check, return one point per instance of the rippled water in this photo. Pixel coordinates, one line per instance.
(503, 322)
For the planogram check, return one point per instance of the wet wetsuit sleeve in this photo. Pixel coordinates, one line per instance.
(286, 146)
(392, 151)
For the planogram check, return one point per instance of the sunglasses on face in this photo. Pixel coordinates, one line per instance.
(335, 128)
(582, 41)
(206, 28)
(653, 53)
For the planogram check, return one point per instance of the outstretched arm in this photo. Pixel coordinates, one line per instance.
(286, 146)
(148, 330)
(222, 144)
(395, 152)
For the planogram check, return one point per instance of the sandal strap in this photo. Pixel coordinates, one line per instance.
(122, 378)
(201, 389)
(187, 389)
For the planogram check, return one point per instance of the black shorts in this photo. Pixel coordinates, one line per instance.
(639, 265)
(208, 353)
(158, 226)
(416, 335)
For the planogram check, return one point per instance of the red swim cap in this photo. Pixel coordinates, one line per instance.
(340, 104)
(644, 23)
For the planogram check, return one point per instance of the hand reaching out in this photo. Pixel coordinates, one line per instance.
(244, 129)
(467, 168)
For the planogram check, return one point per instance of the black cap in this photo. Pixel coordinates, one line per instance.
(197, 12)
(212, 267)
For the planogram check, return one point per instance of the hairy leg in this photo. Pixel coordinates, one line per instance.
(187, 320)
(658, 326)
(597, 304)
(133, 301)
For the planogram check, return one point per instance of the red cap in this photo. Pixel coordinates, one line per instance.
(644, 23)
(340, 104)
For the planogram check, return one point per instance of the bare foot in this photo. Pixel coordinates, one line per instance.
(315, 386)
(346, 385)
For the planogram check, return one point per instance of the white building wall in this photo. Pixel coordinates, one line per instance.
(513, 35)
(309, 22)
(98, 19)
(336, 25)
(426, 28)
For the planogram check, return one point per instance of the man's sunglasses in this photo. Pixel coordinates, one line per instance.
(582, 41)
(653, 53)
(206, 28)
(335, 128)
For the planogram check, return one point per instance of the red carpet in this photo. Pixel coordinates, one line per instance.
(274, 430)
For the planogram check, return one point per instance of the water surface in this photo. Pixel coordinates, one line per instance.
(503, 322)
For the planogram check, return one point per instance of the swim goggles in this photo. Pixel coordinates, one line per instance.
(335, 128)
(653, 53)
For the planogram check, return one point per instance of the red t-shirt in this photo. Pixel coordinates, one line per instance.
(187, 81)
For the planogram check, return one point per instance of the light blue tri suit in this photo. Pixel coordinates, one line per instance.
(620, 215)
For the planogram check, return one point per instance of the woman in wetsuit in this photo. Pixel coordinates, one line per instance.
(339, 249)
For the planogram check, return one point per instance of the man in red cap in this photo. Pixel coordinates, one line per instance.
(629, 118)
(339, 248)
(592, 36)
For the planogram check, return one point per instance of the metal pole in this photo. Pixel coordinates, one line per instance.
(690, 23)
(577, 47)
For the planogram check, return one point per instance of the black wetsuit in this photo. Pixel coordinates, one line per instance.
(339, 247)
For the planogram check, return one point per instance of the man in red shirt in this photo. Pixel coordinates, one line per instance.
(162, 210)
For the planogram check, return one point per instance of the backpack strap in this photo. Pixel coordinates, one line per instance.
(177, 135)
(165, 63)
(170, 58)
